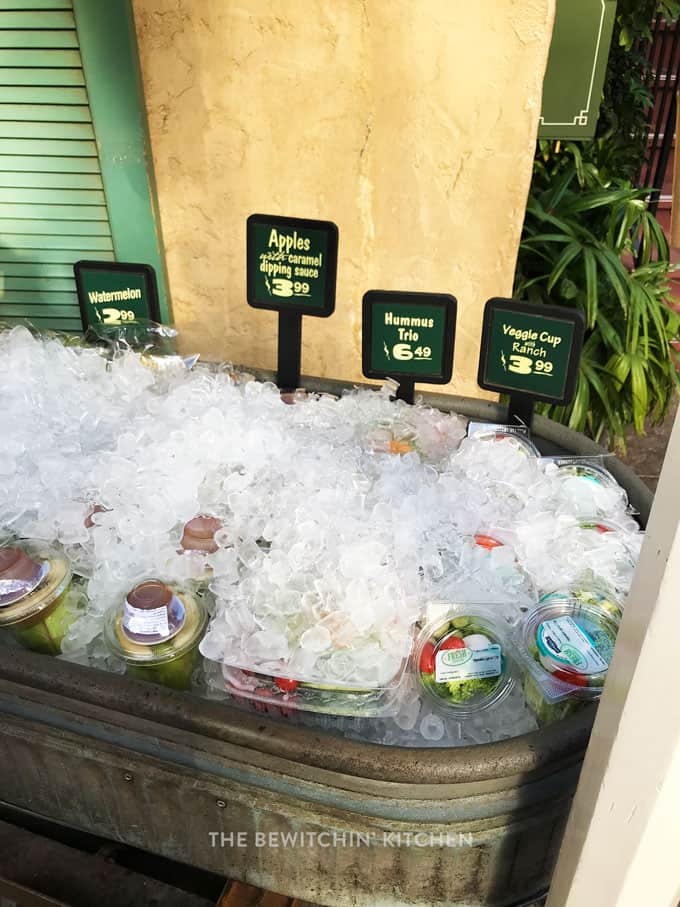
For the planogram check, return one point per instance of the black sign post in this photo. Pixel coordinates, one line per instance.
(116, 293)
(530, 352)
(291, 269)
(408, 337)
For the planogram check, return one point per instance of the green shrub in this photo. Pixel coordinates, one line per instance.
(578, 248)
(590, 242)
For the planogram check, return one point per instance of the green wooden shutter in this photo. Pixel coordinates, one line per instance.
(52, 205)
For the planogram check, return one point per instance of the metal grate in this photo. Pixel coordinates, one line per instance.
(663, 56)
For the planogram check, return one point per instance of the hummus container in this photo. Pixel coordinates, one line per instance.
(283, 696)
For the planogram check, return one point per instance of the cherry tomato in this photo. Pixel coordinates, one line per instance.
(286, 684)
(486, 541)
(427, 659)
(572, 677)
(453, 642)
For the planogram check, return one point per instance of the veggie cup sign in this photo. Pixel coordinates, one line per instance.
(115, 293)
(531, 349)
(291, 269)
(408, 337)
(531, 352)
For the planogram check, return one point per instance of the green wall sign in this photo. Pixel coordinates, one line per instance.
(292, 264)
(408, 336)
(572, 90)
(531, 350)
(114, 293)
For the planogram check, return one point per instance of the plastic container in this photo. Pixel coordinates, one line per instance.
(156, 632)
(34, 584)
(566, 645)
(519, 439)
(283, 696)
(589, 472)
(392, 437)
(462, 661)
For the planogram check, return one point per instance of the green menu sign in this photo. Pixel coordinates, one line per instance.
(530, 350)
(115, 293)
(291, 264)
(408, 336)
(572, 90)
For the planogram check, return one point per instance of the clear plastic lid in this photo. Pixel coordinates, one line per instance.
(392, 436)
(462, 660)
(590, 590)
(518, 438)
(326, 651)
(567, 644)
(155, 624)
(592, 471)
(32, 577)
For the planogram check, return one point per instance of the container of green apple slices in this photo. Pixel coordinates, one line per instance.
(34, 586)
(156, 632)
(463, 661)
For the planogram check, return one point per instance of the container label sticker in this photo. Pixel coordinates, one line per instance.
(567, 643)
(467, 664)
(146, 622)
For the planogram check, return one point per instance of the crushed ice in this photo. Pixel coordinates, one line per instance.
(341, 517)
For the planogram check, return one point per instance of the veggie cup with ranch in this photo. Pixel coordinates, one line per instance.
(463, 664)
(34, 586)
(156, 632)
(567, 645)
(518, 440)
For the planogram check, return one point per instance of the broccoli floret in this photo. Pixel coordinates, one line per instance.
(462, 690)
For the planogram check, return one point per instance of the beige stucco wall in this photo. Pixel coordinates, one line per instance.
(410, 123)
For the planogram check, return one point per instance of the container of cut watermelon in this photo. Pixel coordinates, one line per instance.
(284, 696)
(463, 661)
(566, 645)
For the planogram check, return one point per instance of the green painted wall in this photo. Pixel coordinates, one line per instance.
(108, 46)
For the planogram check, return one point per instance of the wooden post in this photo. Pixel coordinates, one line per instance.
(622, 843)
(675, 201)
